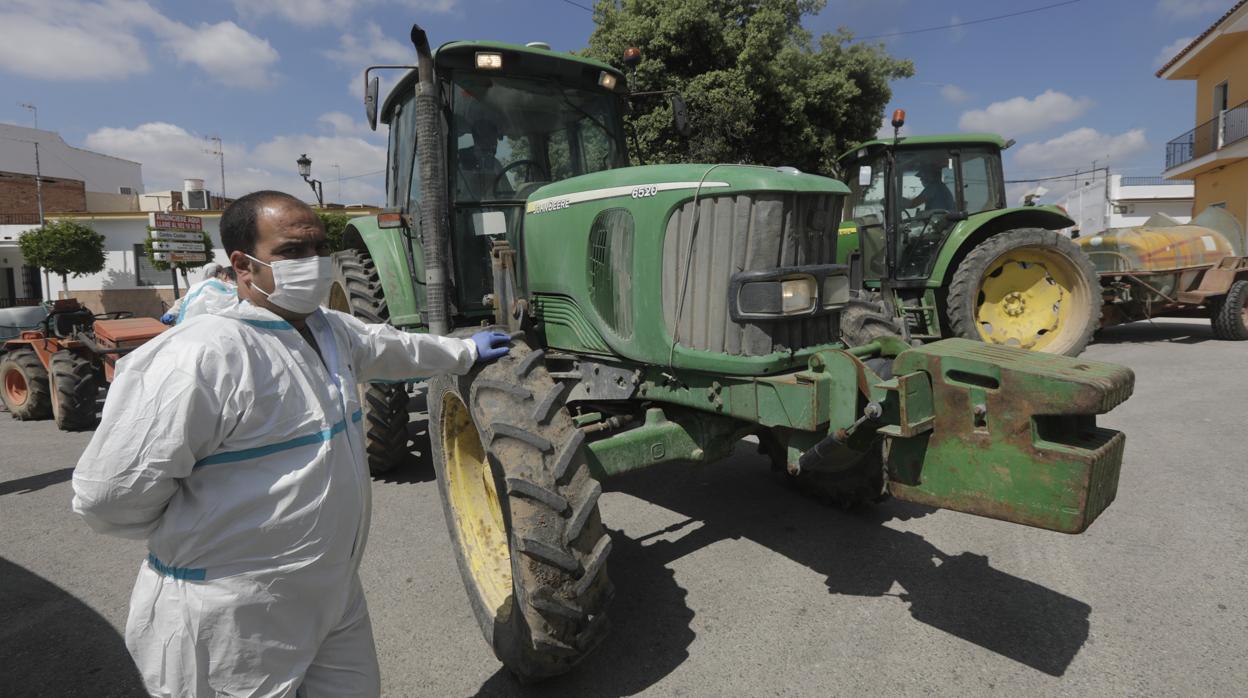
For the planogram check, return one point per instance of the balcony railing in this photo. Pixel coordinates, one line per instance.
(1229, 127)
(19, 219)
(1146, 181)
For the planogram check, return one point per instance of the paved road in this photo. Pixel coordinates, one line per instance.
(728, 584)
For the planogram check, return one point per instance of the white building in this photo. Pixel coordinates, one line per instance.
(69, 179)
(1098, 204)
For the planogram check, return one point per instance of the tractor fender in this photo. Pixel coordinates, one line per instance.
(980, 226)
(389, 248)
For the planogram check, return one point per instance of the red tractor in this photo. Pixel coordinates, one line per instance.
(57, 371)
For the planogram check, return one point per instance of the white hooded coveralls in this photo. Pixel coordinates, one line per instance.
(208, 296)
(229, 446)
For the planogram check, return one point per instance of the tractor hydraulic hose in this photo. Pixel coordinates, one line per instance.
(433, 207)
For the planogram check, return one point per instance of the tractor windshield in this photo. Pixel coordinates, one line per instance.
(511, 135)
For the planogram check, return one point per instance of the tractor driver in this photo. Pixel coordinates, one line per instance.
(935, 195)
(479, 169)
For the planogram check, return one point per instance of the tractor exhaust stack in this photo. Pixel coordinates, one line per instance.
(433, 208)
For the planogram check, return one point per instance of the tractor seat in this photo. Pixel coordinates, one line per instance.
(64, 324)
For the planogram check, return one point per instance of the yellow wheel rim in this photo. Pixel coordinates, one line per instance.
(338, 299)
(475, 504)
(1031, 298)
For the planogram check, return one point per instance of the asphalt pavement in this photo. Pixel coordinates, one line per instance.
(728, 584)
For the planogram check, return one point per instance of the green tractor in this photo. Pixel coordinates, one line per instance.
(660, 314)
(928, 229)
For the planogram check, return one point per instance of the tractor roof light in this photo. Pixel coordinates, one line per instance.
(606, 80)
(489, 61)
(899, 118)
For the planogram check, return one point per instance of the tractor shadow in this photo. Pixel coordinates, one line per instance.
(55, 645)
(962, 595)
(1156, 331)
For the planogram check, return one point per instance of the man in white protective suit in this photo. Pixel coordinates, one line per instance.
(232, 444)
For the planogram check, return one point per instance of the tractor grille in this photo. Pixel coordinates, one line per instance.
(611, 269)
(744, 232)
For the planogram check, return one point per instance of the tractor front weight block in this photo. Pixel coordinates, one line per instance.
(1004, 433)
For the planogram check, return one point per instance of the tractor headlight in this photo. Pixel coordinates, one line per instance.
(777, 294)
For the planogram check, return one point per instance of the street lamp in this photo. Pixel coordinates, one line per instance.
(305, 170)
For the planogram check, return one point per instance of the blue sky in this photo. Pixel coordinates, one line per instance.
(149, 80)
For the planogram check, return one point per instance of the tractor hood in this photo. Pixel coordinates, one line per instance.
(651, 180)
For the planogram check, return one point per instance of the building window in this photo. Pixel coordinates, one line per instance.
(144, 273)
(128, 191)
(1219, 99)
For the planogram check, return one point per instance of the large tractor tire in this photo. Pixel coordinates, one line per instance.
(522, 511)
(1230, 313)
(357, 290)
(75, 389)
(24, 385)
(1028, 288)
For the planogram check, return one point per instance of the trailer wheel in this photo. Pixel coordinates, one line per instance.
(1028, 288)
(522, 511)
(356, 290)
(74, 391)
(1230, 313)
(24, 385)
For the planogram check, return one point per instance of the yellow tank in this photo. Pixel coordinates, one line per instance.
(1161, 244)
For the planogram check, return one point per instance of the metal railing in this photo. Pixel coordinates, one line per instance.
(1227, 128)
(19, 219)
(1146, 181)
(15, 302)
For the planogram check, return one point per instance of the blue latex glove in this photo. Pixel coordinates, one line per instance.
(491, 345)
(168, 318)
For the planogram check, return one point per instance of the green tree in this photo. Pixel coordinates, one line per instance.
(760, 88)
(64, 248)
(335, 224)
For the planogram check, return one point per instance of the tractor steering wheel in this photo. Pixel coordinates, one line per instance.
(115, 315)
(530, 163)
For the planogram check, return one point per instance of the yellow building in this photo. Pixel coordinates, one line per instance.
(1215, 153)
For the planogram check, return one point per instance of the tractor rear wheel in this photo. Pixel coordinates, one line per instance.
(1230, 313)
(356, 290)
(1028, 288)
(74, 391)
(24, 385)
(522, 511)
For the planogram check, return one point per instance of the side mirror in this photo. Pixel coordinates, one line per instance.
(864, 176)
(680, 114)
(370, 101)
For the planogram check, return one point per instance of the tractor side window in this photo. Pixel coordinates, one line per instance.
(402, 151)
(867, 200)
(981, 189)
(560, 153)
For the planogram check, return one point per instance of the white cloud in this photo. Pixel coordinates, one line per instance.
(1189, 9)
(1017, 116)
(170, 153)
(1078, 148)
(372, 46)
(108, 39)
(956, 33)
(1171, 50)
(310, 13)
(227, 53)
(954, 94)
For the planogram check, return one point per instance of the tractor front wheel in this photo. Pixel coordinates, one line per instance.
(522, 511)
(74, 391)
(356, 290)
(1230, 313)
(1028, 288)
(24, 385)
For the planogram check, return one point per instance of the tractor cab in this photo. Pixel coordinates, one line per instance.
(919, 189)
(514, 118)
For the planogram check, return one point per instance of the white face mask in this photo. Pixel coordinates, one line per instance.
(299, 285)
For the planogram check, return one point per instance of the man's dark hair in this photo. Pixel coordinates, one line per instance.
(238, 222)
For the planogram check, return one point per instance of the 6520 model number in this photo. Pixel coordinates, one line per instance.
(645, 191)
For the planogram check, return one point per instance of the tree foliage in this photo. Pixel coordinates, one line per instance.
(760, 88)
(64, 248)
(335, 224)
